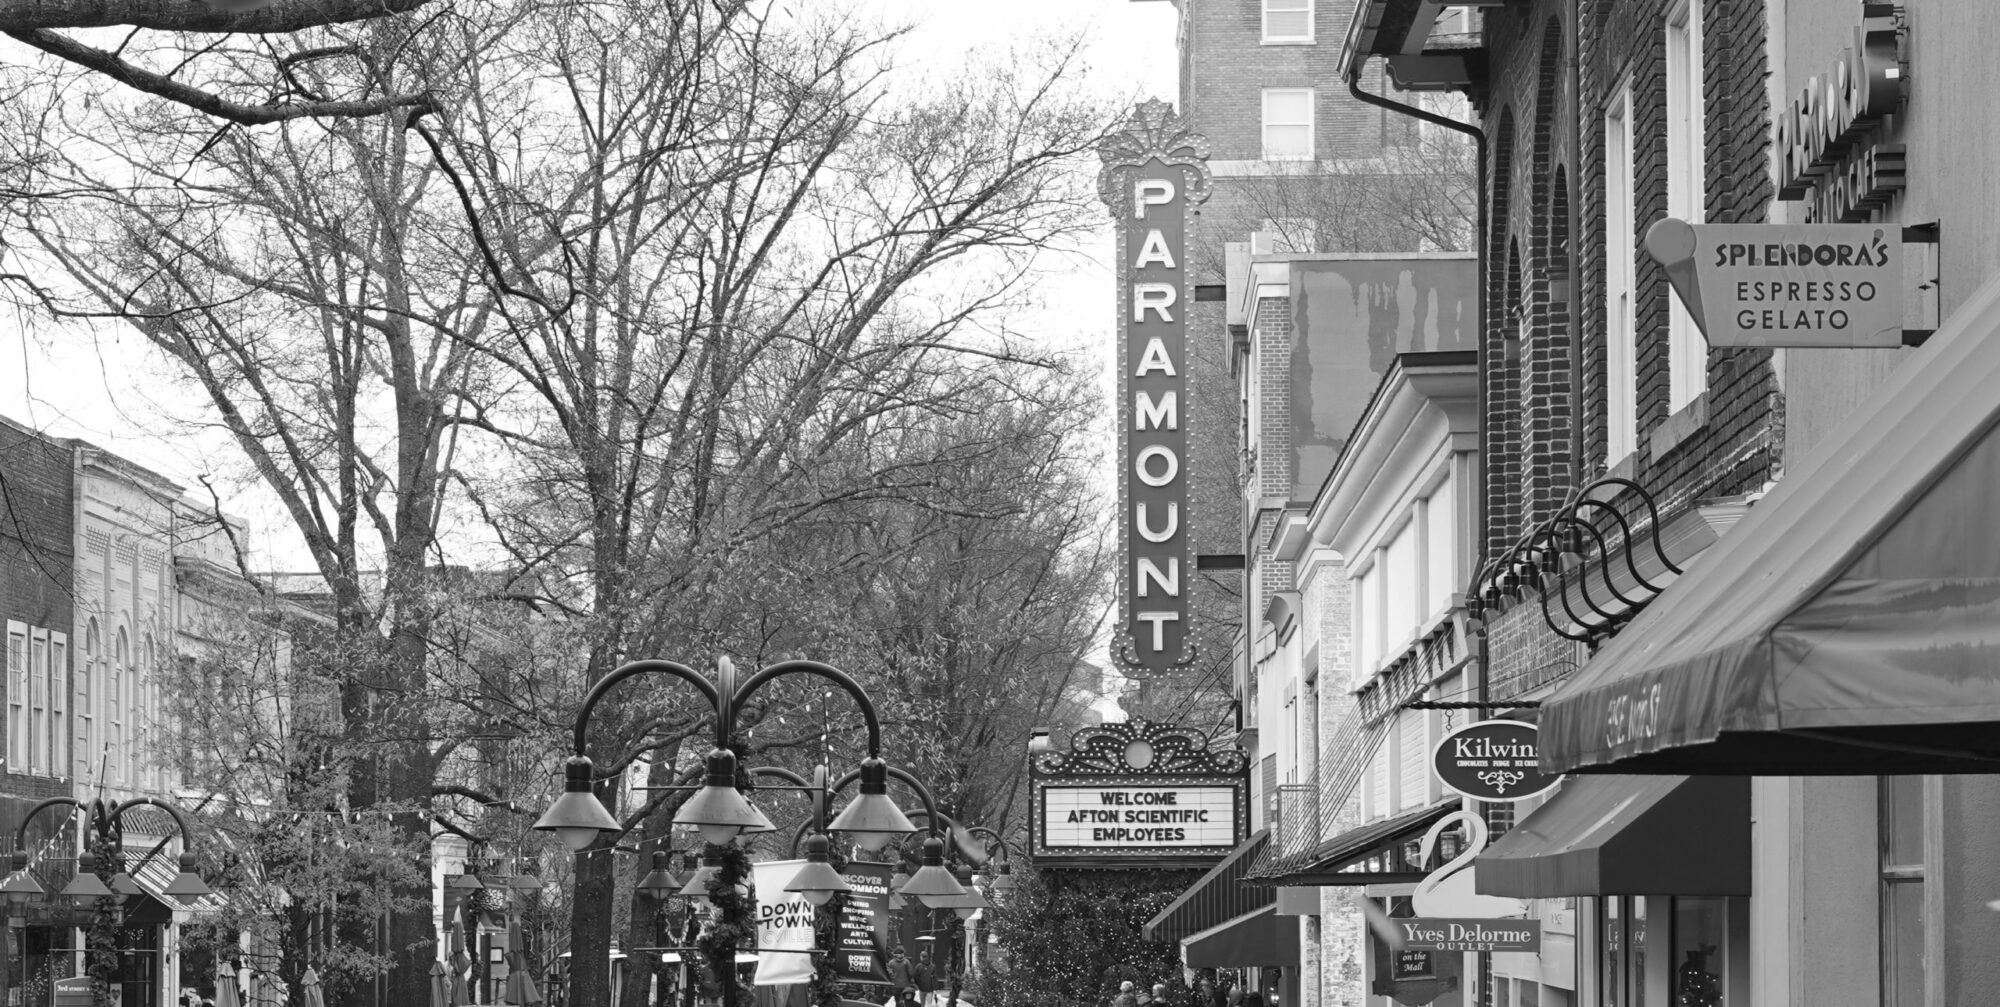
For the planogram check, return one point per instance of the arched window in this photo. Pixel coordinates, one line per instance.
(145, 712)
(86, 710)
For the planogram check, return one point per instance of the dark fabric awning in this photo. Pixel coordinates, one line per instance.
(1370, 855)
(1260, 938)
(1627, 835)
(1849, 624)
(1217, 897)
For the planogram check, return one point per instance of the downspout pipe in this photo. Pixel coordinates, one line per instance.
(1478, 136)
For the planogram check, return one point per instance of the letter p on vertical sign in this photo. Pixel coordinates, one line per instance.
(1150, 192)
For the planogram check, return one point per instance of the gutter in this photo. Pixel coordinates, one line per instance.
(1480, 227)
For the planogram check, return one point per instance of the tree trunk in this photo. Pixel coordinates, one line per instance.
(590, 929)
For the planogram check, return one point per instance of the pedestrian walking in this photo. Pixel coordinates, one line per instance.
(1128, 995)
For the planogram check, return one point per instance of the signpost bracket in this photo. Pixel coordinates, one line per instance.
(1922, 272)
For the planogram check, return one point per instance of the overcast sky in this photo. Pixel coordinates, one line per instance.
(104, 385)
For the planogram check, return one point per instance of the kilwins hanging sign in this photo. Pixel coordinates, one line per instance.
(1137, 792)
(1155, 172)
(1492, 760)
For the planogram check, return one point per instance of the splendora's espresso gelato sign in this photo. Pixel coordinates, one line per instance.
(1769, 285)
(1492, 760)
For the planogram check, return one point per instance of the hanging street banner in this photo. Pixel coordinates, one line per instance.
(1769, 285)
(1492, 760)
(1432, 934)
(1137, 794)
(1155, 172)
(784, 925)
(861, 951)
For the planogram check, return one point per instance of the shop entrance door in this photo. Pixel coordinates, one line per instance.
(139, 967)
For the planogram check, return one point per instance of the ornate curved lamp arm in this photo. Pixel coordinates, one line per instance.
(632, 669)
(738, 696)
(816, 792)
(923, 793)
(21, 833)
(999, 841)
(180, 820)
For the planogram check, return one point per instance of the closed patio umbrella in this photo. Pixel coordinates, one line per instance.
(309, 989)
(459, 963)
(225, 986)
(521, 987)
(440, 985)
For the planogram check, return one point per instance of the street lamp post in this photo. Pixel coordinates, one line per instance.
(102, 821)
(718, 810)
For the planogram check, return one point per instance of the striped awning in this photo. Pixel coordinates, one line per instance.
(1218, 897)
(156, 872)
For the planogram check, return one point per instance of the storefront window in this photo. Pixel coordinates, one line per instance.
(1701, 942)
(1623, 976)
(1635, 921)
(1902, 846)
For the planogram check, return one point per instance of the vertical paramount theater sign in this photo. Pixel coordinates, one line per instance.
(1155, 172)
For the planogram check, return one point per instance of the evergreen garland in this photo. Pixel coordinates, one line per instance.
(823, 990)
(101, 935)
(732, 916)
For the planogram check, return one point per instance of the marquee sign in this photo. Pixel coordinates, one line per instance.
(1492, 760)
(1137, 793)
(1155, 172)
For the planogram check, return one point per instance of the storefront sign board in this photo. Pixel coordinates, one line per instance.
(73, 991)
(1437, 934)
(1414, 965)
(1769, 285)
(1492, 760)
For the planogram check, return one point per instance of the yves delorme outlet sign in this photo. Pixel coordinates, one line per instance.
(1492, 760)
(1432, 934)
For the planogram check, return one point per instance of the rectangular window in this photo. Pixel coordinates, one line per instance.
(1700, 960)
(1621, 433)
(87, 667)
(1442, 579)
(58, 677)
(1687, 357)
(1901, 833)
(38, 701)
(1288, 20)
(1288, 124)
(1413, 753)
(1401, 587)
(17, 697)
(1365, 617)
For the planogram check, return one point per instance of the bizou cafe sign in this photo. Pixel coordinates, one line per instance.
(1771, 285)
(1154, 173)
